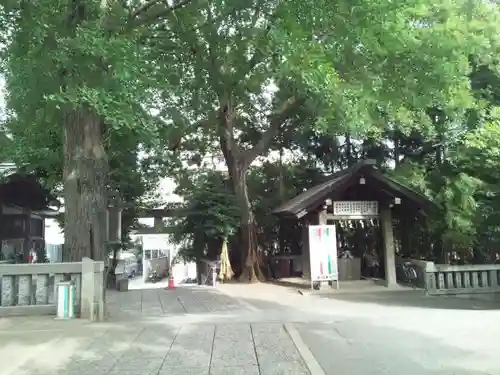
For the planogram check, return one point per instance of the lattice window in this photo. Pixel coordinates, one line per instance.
(348, 208)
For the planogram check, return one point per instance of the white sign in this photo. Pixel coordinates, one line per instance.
(323, 253)
(355, 208)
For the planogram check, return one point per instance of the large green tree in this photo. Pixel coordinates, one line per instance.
(357, 66)
(76, 74)
(232, 74)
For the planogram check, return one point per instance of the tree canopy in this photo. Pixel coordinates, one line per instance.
(109, 96)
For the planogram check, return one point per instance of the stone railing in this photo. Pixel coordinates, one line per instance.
(441, 279)
(31, 289)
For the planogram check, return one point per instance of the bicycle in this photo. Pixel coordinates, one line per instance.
(410, 275)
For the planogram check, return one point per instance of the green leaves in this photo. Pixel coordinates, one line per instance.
(400, 56)
(209, 215)
(365, 68)
(53, 65)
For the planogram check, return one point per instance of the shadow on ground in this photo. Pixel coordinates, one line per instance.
(373, 292)
(202, 340)
(168, 344)
(417, 299)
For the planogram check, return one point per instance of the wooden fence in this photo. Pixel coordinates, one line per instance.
(31, 289)
(443, 279)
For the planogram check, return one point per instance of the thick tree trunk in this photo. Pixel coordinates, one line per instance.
(85, 176)
(250, 267)
(238, 162)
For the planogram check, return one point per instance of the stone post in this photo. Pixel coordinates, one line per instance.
(87, 293)
(7, 290)
(100, 291)
(322, 217)
(92, 293)
(389, 252)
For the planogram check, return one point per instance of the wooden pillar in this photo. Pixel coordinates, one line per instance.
(281, 233)
(306, 265)
(389, 252)
(322, 217)
(158, 224)
(114, 224)
(406, 232)
(27, 235)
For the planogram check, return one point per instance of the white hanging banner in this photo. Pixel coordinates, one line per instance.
(323, 253)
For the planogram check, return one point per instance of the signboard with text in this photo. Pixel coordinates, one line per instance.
(323, 253)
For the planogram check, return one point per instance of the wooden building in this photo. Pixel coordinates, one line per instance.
(23, 208)
(358, 193)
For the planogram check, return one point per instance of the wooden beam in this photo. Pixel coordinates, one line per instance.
(159, 213)
(350, 217)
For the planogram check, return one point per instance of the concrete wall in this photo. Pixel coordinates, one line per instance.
(184, 271)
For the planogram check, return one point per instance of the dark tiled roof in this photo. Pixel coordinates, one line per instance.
(24, 190)
(317, 194)
(301, 201)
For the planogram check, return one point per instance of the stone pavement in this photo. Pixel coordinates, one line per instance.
(191, 349)
(389, 333)
(357, 347)
(187, 331)
(158, 302)
(260, 330)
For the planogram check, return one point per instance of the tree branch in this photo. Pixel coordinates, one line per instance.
(229, 147)
(144, 8)
(275, 121)
(258, 55)
(214, 72)
(154, 10)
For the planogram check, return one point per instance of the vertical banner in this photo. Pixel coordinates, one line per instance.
(323, 252)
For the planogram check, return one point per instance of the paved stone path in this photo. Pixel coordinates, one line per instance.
(147, 303)
(357, 347)
(154, 332)
(260, 330)
(390, 333)
(192, 349)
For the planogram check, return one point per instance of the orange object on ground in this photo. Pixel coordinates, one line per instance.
(171, 283)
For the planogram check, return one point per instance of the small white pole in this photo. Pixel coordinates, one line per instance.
(61, 300)
(214, 276)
